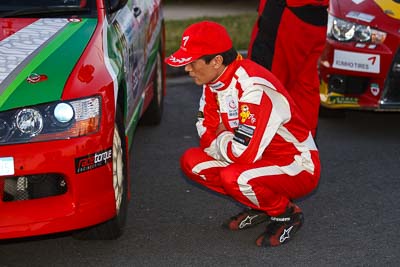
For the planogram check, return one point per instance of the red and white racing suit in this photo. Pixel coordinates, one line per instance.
(267, 155)
(288, 39)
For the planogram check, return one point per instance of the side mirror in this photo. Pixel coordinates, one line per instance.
(115, 5)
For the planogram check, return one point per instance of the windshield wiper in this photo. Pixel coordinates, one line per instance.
(43, 10)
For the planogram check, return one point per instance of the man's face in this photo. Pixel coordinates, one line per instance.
(201, 72)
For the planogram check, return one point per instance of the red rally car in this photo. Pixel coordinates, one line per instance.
(360, 66)
(76, 77)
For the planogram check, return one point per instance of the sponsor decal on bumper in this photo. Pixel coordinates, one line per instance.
(93, 161)
(343, 100)
(352, 61)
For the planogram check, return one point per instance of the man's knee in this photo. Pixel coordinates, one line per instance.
(229, 176)
(191, 157)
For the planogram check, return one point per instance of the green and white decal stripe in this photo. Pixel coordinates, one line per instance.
(53, 54)
(19, 47)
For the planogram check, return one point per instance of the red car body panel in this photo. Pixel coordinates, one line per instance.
(90, 198)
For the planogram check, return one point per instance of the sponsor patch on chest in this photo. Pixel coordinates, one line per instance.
(231, 107)
(246, 116)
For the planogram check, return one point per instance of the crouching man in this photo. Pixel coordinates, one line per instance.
(254, 145)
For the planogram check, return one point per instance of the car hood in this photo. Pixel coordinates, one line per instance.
(380, 14)
(37, 57)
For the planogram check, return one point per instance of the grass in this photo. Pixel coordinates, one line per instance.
(239, 27)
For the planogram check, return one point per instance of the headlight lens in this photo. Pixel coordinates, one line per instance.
(346, 31)
(63, 112)
(29, 121)
(58, 120)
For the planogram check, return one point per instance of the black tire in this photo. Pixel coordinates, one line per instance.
(153, 114)
(113, 228)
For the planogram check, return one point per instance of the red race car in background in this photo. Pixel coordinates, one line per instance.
(76, 77)
(360, 66)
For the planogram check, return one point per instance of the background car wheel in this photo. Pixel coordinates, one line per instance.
(153, 114)
(113, 228)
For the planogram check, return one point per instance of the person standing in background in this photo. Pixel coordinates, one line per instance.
(288, 39)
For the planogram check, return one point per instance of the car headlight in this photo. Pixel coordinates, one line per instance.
(29, 121)
(346, 31)
(51, 121)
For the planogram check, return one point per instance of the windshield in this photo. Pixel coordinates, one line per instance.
(47, 8)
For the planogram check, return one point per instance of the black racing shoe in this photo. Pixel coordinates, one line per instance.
(282, 228)
(246, 219)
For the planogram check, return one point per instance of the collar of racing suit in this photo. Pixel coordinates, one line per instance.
(223, 81)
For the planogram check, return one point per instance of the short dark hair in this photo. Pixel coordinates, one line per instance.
(228, 56)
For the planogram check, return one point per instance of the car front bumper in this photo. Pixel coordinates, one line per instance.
(86, 196)
(350, 77)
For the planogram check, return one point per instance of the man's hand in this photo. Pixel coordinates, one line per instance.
(220, 128)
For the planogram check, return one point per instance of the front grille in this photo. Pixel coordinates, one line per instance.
(33, 187)
(391, 93)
